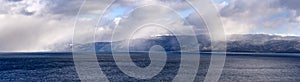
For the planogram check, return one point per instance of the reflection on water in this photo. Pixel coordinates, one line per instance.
(60, 67)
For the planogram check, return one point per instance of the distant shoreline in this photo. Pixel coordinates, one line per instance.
(49, 54)
(203, 52)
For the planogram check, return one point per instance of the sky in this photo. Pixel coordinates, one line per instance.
(47, 25)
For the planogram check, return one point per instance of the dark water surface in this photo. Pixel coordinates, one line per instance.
(60, 67)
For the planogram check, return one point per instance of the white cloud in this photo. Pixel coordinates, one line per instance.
(144, 16)
(117, 20)
(26, 33)
(174, 4)
(40, 25)
(236, 27)
(246, 16)
(298, 19)
(26, 7)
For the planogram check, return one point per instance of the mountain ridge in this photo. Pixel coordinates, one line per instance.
(259, 43)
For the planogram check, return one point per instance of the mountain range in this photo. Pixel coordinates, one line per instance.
(259, 43)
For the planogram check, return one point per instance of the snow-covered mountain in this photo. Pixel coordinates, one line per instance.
(263, 43)
(235, 43)
(169, 43)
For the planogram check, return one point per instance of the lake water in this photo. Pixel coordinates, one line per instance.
(238, 68)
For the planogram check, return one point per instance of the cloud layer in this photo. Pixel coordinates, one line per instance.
(36, 25)
(47, 25)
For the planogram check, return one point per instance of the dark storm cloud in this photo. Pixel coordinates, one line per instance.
(14, 0)
(63, 7)
(292, 4)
